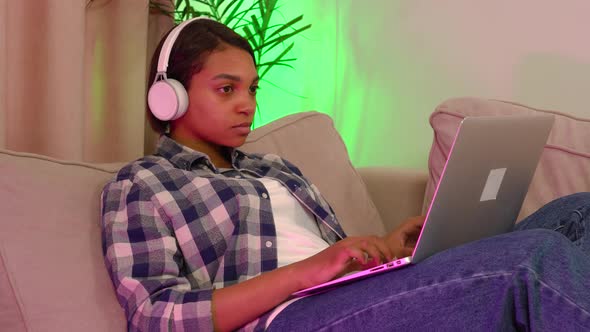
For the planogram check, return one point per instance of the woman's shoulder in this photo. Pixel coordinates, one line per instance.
(276, 161)
(149, 165)
(141, 177)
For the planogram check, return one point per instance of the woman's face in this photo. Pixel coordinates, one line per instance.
(222, 99)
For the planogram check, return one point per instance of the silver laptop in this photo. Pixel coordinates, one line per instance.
(481, 190)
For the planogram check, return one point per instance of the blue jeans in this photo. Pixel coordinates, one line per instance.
(536, 278)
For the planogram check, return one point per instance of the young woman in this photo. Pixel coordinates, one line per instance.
(202, 236)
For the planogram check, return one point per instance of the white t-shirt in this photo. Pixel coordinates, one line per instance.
(298, 235)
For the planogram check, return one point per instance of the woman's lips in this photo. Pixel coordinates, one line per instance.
(242, 128)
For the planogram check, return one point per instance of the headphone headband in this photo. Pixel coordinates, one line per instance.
(169, 43)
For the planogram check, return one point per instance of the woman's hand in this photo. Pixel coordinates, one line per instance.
(402, 240)
(358, 253)
(347, 255)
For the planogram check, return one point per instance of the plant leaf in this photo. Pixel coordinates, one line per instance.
(272, 64)
(206, 3)
(257, 27)
(263, 35)
(269, 10)
(185, 11)
(282, 60)
(242, 14)
(235, 4)
(250, 37)
(286, 26)
(277, 59)
(269, 45)
(261, 8)
(161, 8)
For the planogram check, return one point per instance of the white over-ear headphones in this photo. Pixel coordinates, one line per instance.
(167, 98)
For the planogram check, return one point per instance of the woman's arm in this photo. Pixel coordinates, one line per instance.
(145, 264)
(239, 304)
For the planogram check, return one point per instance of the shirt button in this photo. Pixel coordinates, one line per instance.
(268, 244)
(264, 195)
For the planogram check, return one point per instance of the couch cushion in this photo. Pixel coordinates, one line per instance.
(54, 278)
(310, 141)
(11, 317)
(564, 167)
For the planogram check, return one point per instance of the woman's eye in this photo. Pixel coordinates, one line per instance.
(226, 89)
(253, 89)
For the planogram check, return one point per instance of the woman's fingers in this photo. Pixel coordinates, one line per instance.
(373, 252)
(372, 247)
(357, 254)
(383, 248)
(410, 230)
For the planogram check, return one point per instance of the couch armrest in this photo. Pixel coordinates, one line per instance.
(398, 193)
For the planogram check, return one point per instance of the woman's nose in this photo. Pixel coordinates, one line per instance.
(247, 105)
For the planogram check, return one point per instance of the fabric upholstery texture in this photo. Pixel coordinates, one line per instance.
(11, 317)
(50, 246)
(397, 193)
(564, 167)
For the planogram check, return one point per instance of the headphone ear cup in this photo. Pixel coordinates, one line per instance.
(182, 96)
(167, 99)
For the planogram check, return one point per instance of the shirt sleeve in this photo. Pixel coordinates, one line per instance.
(146, 265)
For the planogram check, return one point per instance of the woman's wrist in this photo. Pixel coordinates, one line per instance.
(298, 277)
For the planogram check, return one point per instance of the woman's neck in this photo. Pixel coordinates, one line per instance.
(219, 155)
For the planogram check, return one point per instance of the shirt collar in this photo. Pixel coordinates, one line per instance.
(185, 158)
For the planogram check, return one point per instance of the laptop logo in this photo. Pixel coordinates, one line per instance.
(490, 190)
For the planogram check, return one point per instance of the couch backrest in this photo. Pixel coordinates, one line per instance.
(52, 275)
(310, 141)
(564, 167)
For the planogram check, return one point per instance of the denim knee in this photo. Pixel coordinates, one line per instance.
(571, 201)
(558, 212)
(539, 241)
(543, 235)
(577, 201)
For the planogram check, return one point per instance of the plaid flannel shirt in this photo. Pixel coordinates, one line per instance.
(174, 227)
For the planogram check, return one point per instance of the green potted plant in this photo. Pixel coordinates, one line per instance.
(253, 19)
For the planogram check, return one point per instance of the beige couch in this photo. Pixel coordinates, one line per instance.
(52, 276)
